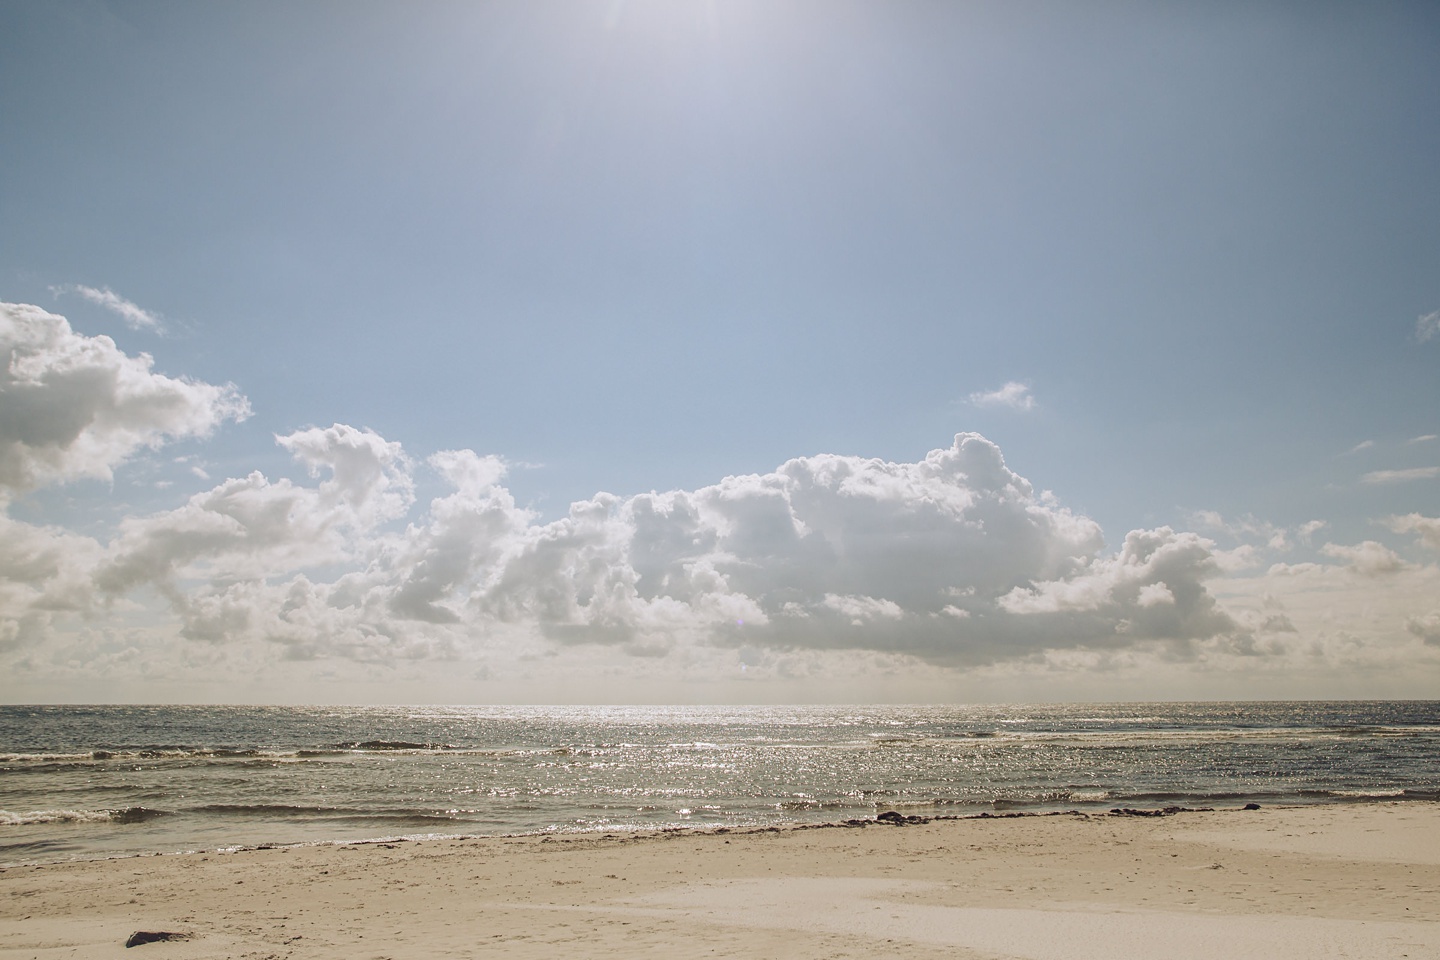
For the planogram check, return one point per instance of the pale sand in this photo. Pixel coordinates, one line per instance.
(1359, 881)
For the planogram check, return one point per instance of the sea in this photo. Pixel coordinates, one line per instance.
(86, 782)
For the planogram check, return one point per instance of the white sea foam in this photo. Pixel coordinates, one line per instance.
(31, 817)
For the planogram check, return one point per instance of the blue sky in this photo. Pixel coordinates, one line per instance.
(630, 247)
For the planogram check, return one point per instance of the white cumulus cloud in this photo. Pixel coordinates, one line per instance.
(952, 559)
(1427, 527)
(1368, 558)
(44, 574)
(1154, 588)
(251, 528)
(75, 406)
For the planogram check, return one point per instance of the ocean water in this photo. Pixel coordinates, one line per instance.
(85, 782)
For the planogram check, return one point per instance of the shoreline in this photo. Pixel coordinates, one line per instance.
(885, 816)
(1277, 882)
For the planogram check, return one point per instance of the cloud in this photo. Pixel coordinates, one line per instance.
(1014, 395)
(1401, 476)
(1427, 527)
(825, 563)
(469, 530)
(44, 575)
(1353, 619)
(75, 406)
(826, 552)
(953, 559)
(1427, 628)
(1425, 438)
(1427, 326)
(1154, 588)
(1251, 528)
(250, 528)
(1362, 445)
(135, 317)
(861, 610)
(1368, 559)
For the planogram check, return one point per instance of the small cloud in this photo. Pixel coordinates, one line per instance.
(135, 316)
(1247, 527)
(1427, 527)
(1425, 438)
(200, 472)
(1427, 326)
(1362, 445)
(861, 609)
(1368, 559)
(1309, 528)
(1400, 476)
(1209, 518)
(1427, 628)
(1243, 557)
(1014, 395)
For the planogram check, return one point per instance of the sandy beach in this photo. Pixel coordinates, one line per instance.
(1336, 881)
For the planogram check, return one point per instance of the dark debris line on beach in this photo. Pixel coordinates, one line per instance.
(895, 818)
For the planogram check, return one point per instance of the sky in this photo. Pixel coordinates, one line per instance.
(718, 352)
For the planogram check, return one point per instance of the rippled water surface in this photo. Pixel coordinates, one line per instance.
(105, 781)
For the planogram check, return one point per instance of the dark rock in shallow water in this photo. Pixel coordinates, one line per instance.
(1252, 806)
(140, 937)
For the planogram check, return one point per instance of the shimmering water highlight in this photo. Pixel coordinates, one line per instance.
(107, 781)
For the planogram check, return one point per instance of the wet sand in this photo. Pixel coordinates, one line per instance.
(1359, 880)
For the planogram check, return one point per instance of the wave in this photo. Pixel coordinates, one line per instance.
(395, 745)
(261, 809)
(123, 815)
(327, 813)
(14, 762)
(49, 757)
(806, 803)
(982, 737)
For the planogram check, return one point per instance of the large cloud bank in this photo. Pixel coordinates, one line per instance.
(952, 560)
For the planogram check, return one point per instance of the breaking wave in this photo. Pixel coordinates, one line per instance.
(123, 815)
